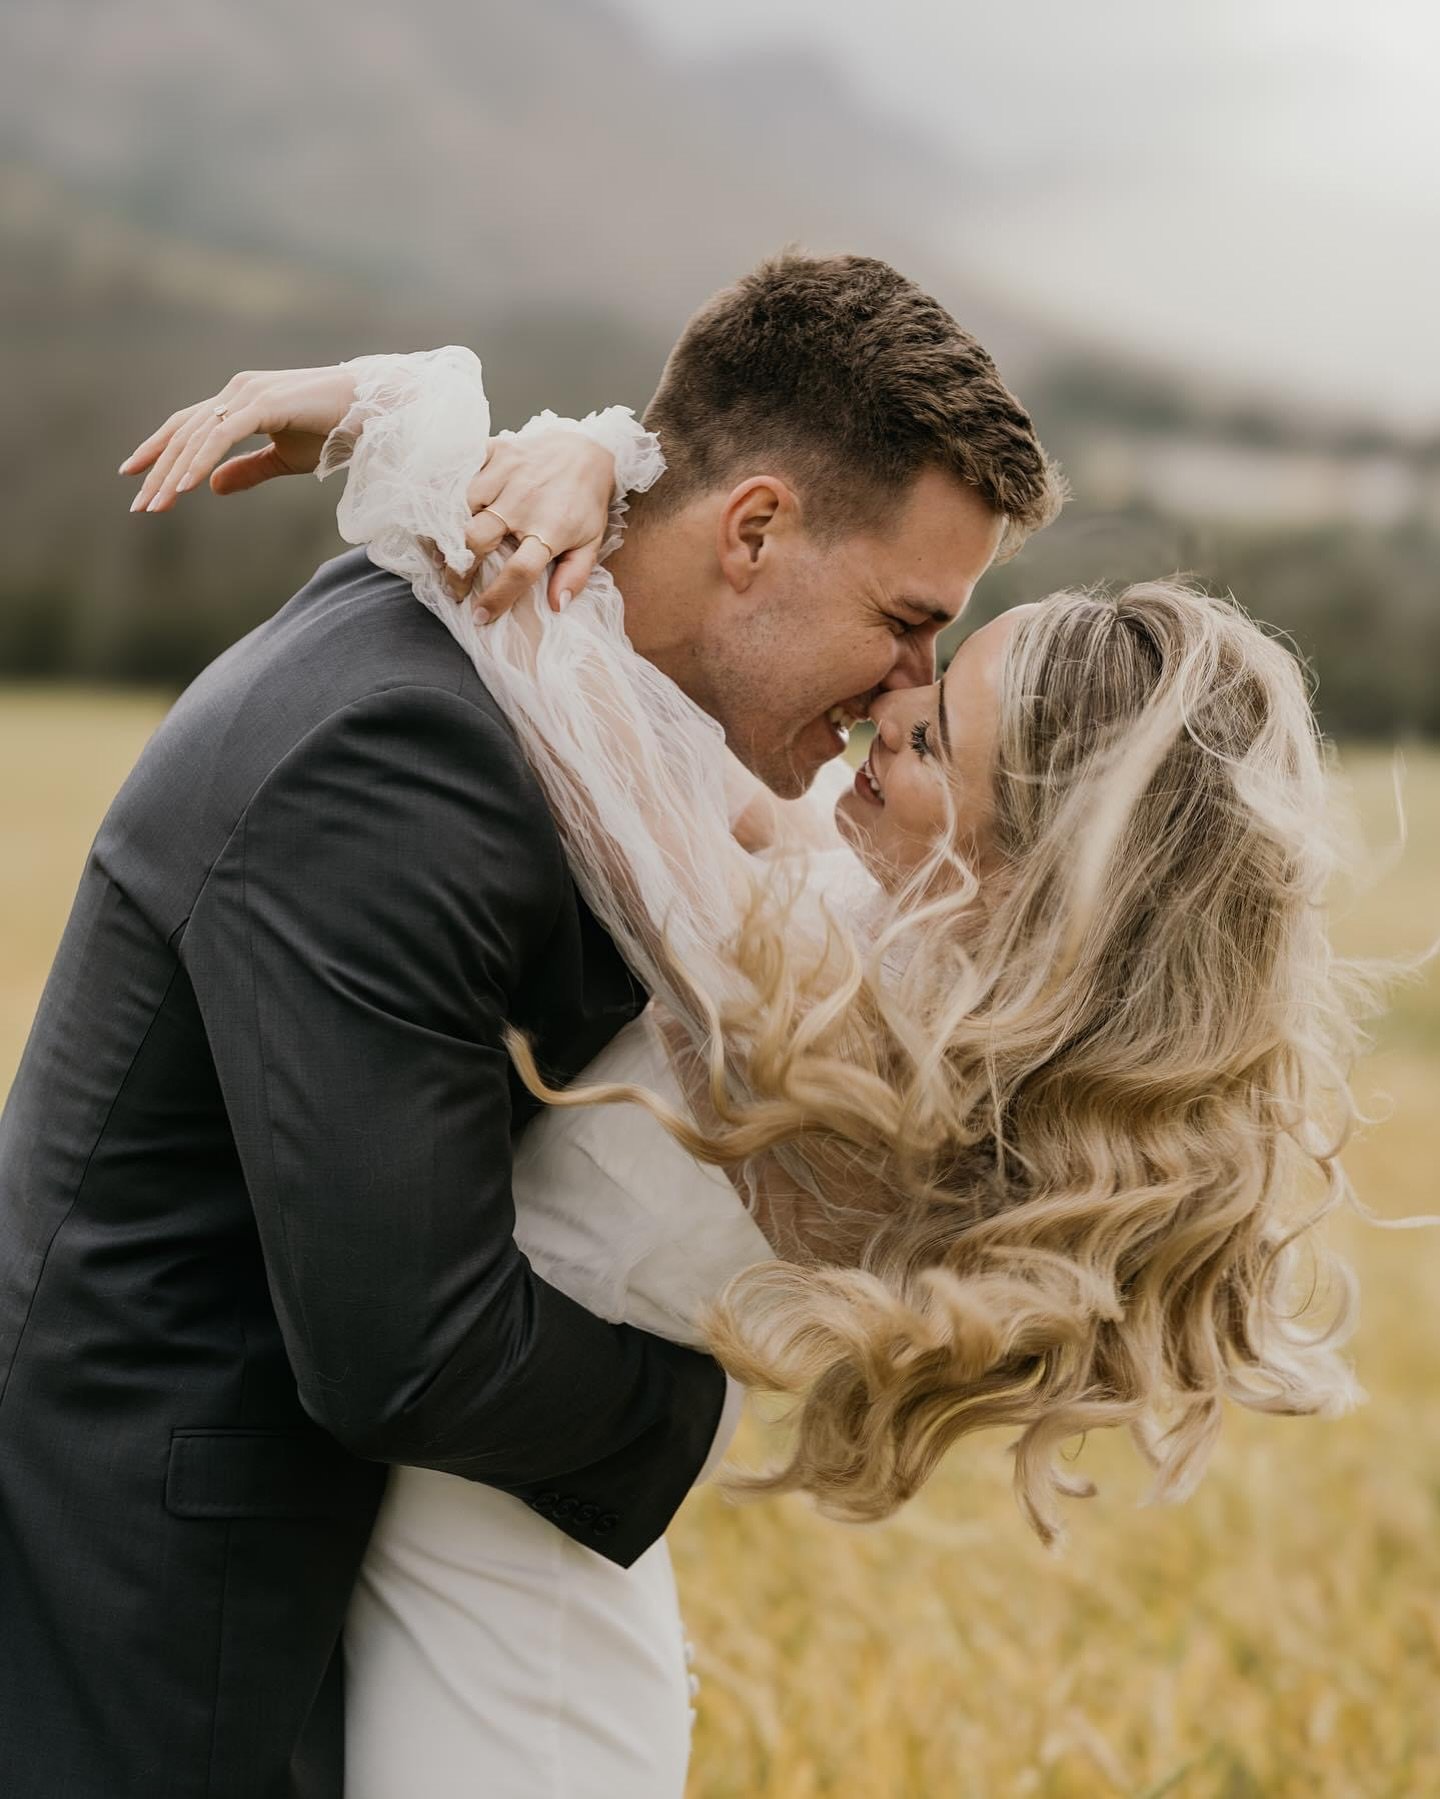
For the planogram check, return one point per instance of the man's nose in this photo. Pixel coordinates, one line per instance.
(914, 666)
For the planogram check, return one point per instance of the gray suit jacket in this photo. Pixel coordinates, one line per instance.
(255, 1211)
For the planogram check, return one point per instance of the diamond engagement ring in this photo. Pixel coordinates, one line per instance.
(222, 412)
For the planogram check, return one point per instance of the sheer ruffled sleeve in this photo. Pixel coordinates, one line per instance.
(417, 432)
(395, 494)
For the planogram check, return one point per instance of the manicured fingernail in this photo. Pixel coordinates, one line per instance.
(565, 597)
(482, 616)
(123, 466)
(135, 503)
(154, 505)
(185, 484)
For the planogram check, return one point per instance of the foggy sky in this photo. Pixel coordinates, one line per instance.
(1249, 185)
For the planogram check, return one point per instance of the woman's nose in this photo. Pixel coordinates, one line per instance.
(889, 732)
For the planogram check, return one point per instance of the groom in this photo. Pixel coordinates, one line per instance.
(255, 1209)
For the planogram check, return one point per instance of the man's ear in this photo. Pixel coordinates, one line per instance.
(754, 516)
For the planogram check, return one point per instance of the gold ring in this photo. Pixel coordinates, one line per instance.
(494, 514)
(540, 540)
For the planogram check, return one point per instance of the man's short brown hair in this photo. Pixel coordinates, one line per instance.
(847, 379)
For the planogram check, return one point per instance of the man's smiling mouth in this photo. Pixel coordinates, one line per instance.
(843, 717)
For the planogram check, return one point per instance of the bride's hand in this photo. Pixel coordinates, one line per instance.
(296, 409)
(549, 494)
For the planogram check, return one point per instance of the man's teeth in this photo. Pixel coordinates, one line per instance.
(874, 784)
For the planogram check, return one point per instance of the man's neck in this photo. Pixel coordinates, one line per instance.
(658, 621)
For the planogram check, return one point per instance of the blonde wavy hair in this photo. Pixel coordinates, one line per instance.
(1072, 1125)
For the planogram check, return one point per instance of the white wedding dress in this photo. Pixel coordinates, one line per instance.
(488, 1655)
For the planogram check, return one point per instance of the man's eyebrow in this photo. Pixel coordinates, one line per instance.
(938, 613)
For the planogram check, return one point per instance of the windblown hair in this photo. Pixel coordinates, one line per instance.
(1087, 1110)
(849, 380)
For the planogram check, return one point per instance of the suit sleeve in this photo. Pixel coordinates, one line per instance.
(354, 952)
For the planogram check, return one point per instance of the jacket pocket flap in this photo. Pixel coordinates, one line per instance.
(257, 1474)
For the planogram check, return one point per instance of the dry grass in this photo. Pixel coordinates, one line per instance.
(1280, 1635)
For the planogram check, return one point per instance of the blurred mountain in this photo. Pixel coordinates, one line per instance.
(488, 155)
(185, 192)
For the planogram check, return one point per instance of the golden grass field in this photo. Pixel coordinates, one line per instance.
(1279, 1635)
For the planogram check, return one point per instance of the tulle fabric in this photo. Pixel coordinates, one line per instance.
(639, 779)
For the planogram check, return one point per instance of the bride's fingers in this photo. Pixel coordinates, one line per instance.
(145, 453)
(210, 446)
(193, 452)
(486, 483)
(570, 573)
(178, 446)
(517, 577)
(176, 440)
(154, 451)
(485, 533)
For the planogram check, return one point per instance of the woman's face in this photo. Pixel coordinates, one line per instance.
(926, 738)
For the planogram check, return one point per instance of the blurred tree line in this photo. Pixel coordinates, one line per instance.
(1361, 605)
(1355, 587)
(104, 335)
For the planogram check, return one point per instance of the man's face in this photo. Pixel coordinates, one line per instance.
(822, 630)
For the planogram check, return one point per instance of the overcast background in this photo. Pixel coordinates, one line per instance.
(1200, 240)
(1250, 186)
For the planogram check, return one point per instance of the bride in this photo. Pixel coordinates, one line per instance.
(1010, 1098)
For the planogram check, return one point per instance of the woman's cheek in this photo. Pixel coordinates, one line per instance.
(920, 812)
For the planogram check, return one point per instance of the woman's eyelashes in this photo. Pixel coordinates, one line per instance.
(920, 737)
